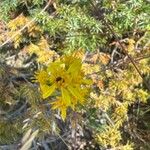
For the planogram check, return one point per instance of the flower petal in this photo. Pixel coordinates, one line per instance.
(57, 104)
(42, 76)
(87, 81)
(66, 96)
(63, 113)
(75, 67)
(75, 92)
(47, 90)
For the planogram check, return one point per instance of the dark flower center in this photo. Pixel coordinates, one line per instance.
(59, 79)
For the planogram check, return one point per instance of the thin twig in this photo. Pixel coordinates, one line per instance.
(108, 118)
(112, 54)
(62, 139)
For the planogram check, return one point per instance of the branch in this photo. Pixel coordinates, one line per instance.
(121, 62)
(126, 53)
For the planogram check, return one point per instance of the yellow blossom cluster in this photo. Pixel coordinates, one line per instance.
(111, 137)
(19, 22)
(65, 80)
(42, 50)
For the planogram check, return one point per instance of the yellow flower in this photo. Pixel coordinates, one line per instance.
(66, 79)
(110, 137)
(41, 49)
(130, 46)
(18, 22)
(60, 104)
